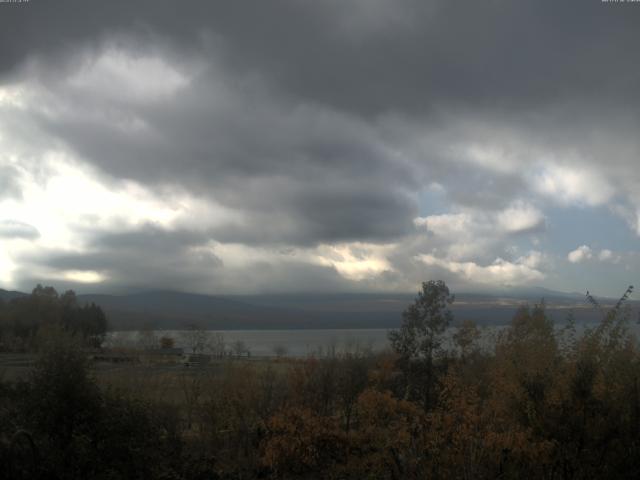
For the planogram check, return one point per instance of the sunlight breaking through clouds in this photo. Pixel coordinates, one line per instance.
(356, 261)
(87, 276)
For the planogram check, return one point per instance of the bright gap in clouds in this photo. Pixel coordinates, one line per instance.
(71, 194)
(67, 204)
(356, 261)
(84, 276)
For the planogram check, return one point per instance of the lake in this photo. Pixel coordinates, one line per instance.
(297, 343)
(303, 342)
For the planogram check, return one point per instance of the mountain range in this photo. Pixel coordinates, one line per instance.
(175, 310)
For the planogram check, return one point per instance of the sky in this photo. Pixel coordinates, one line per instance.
(231, 147)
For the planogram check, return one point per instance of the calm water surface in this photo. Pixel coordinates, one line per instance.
(300, 343)
(265, 342)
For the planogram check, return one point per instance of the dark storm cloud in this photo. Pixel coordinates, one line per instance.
(148, 237)
(312, 213)
(350, 54)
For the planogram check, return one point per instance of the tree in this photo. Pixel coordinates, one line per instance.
(61, 403)
(352, 379)
(196, 338)
(419, 339)
(466, 337)
(301, 442)
(147, 338)
(44, 292)
(280, 350)
(240, 348)
(93, 326)
(82, 431)
(44, 309)
(217, 344)
(167, 342)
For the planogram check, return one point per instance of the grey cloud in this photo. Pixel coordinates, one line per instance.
(16, 229)
(322, 121)
(309, 213)
(301, 174)
(153, 257)
(487, 53)
(9, 185)
(148, 255)
(148, 237)
(499, 58)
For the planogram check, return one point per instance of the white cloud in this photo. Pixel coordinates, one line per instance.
(458, 236)
(500, 272)
(584, 253)
(517, 217)
(477, 246)
(448, 224)
(533, 260)
(632, 218)
(475, 234)
(605, 254)
(11, 96)
(574, 185)
(491, 157)
(580, 254)
(520, 217)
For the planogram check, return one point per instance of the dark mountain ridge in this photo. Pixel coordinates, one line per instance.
(176, 310)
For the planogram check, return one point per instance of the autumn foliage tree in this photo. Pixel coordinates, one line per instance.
(419, 340)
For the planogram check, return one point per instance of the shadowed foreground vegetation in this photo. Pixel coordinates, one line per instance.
(541, 403)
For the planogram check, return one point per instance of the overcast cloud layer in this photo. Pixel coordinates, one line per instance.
(338, 145)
